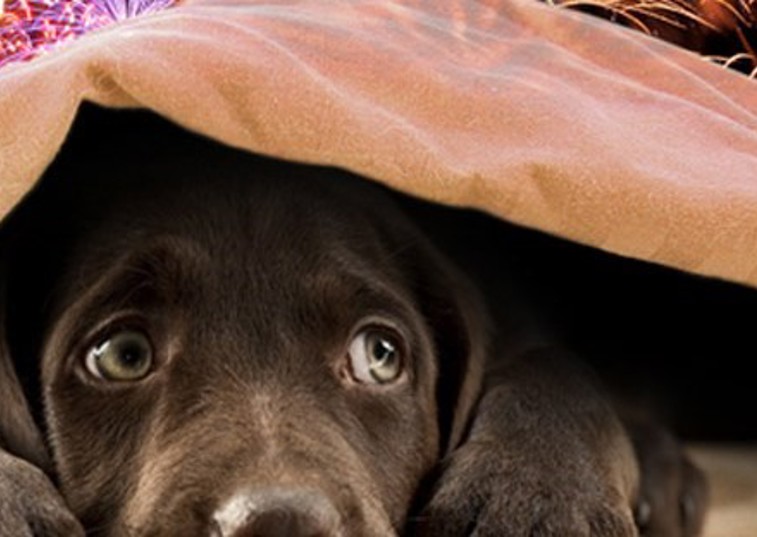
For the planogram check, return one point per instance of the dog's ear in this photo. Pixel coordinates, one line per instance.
(460, 324)
(19, 434)
(450, 303)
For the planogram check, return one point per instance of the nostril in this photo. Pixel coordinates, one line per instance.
(280, 523)
(215, 529)
(277, 512)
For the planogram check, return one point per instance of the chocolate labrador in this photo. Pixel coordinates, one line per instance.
(217, 344)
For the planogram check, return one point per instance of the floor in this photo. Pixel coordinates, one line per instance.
(733, 478)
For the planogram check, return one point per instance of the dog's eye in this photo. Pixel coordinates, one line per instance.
(124, 356)
(375, 357)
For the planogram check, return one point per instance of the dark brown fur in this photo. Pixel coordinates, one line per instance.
(250, 277)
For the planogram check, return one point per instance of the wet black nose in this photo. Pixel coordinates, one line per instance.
(277, 512)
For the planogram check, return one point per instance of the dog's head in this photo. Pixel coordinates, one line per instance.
(230, 346)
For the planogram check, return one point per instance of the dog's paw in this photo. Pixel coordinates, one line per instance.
(483, 492)
(673, 494)
(29, 504)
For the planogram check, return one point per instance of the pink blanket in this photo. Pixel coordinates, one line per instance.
(545, 117)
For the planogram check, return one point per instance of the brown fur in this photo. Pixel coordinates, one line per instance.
(249, 277)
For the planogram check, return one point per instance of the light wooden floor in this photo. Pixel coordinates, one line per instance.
(733, 479)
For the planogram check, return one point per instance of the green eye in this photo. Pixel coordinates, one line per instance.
(375, 357)
(124, 356)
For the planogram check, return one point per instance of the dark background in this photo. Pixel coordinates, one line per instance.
(680, 344)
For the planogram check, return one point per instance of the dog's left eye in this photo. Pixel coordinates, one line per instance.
(125, 356)
(375, 356)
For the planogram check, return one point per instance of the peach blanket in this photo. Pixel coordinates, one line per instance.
(548, 118)
(545, 117)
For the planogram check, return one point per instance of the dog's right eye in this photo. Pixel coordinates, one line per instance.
(124, 356)
(376, 356)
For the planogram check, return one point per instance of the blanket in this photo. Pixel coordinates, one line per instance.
(548, 118)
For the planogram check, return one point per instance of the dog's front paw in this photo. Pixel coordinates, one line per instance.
(29, 504)
(484, 491)
(674, 493)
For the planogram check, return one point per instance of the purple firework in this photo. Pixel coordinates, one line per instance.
(29, 28)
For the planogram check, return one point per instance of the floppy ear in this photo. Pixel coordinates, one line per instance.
(449, 302)
(460, 324)
(19, 434)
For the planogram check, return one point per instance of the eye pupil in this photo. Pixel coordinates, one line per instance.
(383, 350)
(131, 355)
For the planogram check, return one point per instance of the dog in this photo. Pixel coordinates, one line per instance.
(211, 343)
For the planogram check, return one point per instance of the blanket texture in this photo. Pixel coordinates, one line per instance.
(548, 118)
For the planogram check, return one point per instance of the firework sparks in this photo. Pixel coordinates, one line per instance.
(29, 28)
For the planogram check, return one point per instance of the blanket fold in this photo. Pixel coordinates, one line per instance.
(548, 118)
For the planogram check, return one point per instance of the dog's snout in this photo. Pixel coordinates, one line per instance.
(277, 512)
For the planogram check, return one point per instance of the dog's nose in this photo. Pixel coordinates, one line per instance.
(277, 512)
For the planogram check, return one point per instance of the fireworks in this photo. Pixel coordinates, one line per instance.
(29, 28)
